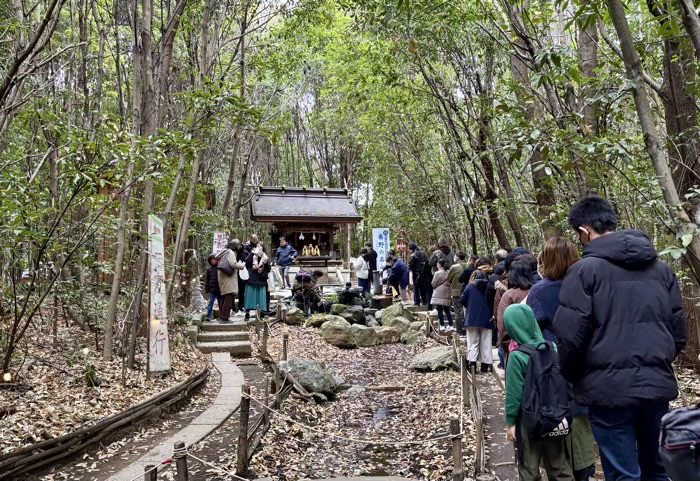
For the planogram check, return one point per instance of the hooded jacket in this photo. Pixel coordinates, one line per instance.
(442, 289)
(211, 280)
(399, 274)
(620, 324)
(454, 274)
(417, 264)
(523, 328)
(479, 312)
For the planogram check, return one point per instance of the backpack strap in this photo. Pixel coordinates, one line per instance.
(526, 349)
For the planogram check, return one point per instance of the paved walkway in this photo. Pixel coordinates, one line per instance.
(226, 402)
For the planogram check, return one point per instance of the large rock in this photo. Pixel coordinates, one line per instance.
(317, 320)
(379, 315)
(364, 336)
(338, 333)
(435, 358)
(372, 322)
(411, 337)
(369, 311)
(353, 314)
(338, 309)
(387, 335)
(295, 317)
(418, 326)
(397, 310)
(311, 374)
(398, 322)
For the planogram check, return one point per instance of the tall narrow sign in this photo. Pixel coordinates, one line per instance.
(380, 241)
(158, 348)
(220, 241)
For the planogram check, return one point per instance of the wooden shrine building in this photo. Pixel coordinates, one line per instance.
(309, 218)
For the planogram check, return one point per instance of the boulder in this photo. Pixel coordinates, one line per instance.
(311, 374)
(338, 333)
(398, 322)
(379, 315)
(397, 310)
(337, 309)
(435, 358)
(317, 320)
(369, 311)
(411, 337)
(418, 326)
(295, 317)
(353, 314)
(372, 322)
(387, 335)
(364, 336)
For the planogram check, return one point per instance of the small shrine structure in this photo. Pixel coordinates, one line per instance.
(308, 218)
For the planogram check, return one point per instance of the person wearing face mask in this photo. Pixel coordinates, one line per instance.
(620, 326)
(555, 260)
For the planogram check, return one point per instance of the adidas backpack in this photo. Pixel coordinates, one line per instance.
(548, 404)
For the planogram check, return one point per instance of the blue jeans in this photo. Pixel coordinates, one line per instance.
(364, 284)
(210, 308)
(447, 311)
(628, 439)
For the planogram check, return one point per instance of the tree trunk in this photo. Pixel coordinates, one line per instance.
(654, 144)
(113, 306)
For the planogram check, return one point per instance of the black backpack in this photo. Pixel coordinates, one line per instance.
(548, 403)
(680, 443)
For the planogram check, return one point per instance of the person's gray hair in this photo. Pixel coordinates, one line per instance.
(501, 255)
(233, 244)
(442, 242)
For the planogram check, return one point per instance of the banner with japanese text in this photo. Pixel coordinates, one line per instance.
(158, 348)
(380, 241)
(220, 241)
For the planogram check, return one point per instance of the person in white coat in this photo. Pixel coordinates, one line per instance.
(361, 267)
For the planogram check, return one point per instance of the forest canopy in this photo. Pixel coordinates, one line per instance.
(481, 121)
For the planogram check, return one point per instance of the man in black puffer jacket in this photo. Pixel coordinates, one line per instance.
(620, 326)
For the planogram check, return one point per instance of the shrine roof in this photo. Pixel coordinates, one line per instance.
(303, 204)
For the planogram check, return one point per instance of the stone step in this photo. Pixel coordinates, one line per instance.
(237, 348)
(220, 336)
(229, 326)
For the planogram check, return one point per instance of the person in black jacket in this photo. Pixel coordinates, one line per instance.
(371, 258)
(417, 264)
(620, 326)
(211, 285)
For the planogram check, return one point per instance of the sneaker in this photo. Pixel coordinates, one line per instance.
(450, 328)
(442, 329)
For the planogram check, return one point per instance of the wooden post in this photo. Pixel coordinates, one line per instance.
(257, 321)
(265, 336)
(474, 376)
(278, 388)
(466, 393)
(427, 325)
(242, 454)
(279, 310)
(285, 346)
(150, 473)
(266, 409)
(181, 461)
(455, 431)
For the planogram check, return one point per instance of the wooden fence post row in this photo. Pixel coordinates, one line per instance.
(265, 336)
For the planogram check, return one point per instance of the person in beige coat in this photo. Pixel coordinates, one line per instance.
(442, 295)
(228, 284)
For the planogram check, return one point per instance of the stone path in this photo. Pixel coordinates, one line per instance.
(225, 404)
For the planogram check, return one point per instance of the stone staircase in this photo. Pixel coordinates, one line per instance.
(232, 337)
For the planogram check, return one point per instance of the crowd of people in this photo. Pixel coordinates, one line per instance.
(238, 277)
(614, 318)
(608, 324)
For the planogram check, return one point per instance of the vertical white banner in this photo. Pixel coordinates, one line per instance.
(158, 348)
(220, 241)
(380, 241)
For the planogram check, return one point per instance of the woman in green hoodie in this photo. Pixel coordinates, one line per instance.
(522, 327)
